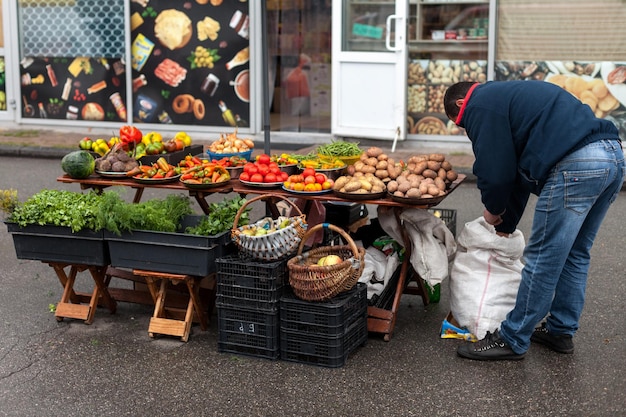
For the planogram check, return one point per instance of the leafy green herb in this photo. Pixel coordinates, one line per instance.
(163, 215)
(221, 217)
(59, 208)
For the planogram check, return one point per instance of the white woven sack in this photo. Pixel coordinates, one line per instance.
(485, 276)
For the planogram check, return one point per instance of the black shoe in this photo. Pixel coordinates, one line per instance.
(561, 343)
(491, 348)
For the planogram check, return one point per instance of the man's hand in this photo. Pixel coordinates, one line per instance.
(492, 219)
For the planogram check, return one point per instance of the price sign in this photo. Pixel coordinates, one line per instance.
(367, 31)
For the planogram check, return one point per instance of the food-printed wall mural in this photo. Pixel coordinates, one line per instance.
(189, 65)
(80, 88)
(601, 85)
(190, 62)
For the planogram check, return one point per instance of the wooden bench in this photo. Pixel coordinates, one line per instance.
(160, 323)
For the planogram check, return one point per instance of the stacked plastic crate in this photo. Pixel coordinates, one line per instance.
(323, 333)
(248, 304)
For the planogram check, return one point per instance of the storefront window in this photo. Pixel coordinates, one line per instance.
(71, 60)
(578, 45)
(299, 45)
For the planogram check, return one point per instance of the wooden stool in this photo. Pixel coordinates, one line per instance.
(159, 323)
(79, 305)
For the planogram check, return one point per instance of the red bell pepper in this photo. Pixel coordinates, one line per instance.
(130, 134)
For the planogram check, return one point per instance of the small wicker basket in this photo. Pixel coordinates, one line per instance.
(312, 282)
(275, 245)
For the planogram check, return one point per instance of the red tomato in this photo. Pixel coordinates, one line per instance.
(263, 159)
(283, 176)
(310, 179)
(248, 166)
(274, 169)
(244, 176)
(256, 177)
(270, 177)
(307, 172)
(263, 169)
(320, 178)
(273, 164)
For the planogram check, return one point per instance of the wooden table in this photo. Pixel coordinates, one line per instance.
(379, 320)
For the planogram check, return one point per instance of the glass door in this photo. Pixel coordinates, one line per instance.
(369, 69)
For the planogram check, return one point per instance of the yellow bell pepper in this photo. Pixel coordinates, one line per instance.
(184, 137)
(151, 137)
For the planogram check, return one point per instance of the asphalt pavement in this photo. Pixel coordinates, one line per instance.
(112, 367)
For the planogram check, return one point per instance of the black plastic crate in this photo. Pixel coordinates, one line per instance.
(249, 283)
(448, 216)
(330, 352)
(331, 317)
(240, 265)
(251, 298)
(248, 332)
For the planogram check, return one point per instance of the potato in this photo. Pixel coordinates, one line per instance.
(382, 165)
(437, 157)
(433, 190)
(415, 183)
(374, 151)
(350, 170)
(371, 161)
(376, 189)
(423, 188)
(358, 165)
(361, 191)
(369, 169)
(382, 157)
(341, 182)
(352, 186)
(363, 157)
(446, 165)
(429, 173)
(420, 167)
(404, 187)
(392, 186)
(382, 173)
(434, 165)
(366, 185)
(442, 173)
(452, 175)
(413, 193)
(398, 194)
(440, 183)
(401, 178)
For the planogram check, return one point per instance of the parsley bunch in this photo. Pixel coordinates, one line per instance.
(221, 217)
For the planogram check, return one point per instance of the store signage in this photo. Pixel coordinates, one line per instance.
(367, 31)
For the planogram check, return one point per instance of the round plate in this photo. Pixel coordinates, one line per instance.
(112, 174)
(204, 186)
(261, 184)
(307, 192)
(355, 196)
(418, 201)
(157, 180)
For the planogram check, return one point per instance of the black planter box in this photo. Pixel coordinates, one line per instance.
(174, 253)
(173, 157)
(59, 244)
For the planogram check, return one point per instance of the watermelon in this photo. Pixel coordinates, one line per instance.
(78, 164)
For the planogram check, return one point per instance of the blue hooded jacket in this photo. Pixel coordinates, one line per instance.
(519, 131)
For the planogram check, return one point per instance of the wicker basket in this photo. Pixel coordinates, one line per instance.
(311, 282)
(275, 245)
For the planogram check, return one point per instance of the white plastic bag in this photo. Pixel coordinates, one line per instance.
(485, 276)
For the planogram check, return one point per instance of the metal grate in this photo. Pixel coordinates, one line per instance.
(90, 28)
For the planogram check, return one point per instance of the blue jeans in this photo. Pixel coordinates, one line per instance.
(568, 214)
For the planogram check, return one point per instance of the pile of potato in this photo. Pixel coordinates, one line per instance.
(374, 161)
(359, 183)
(425, 176)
